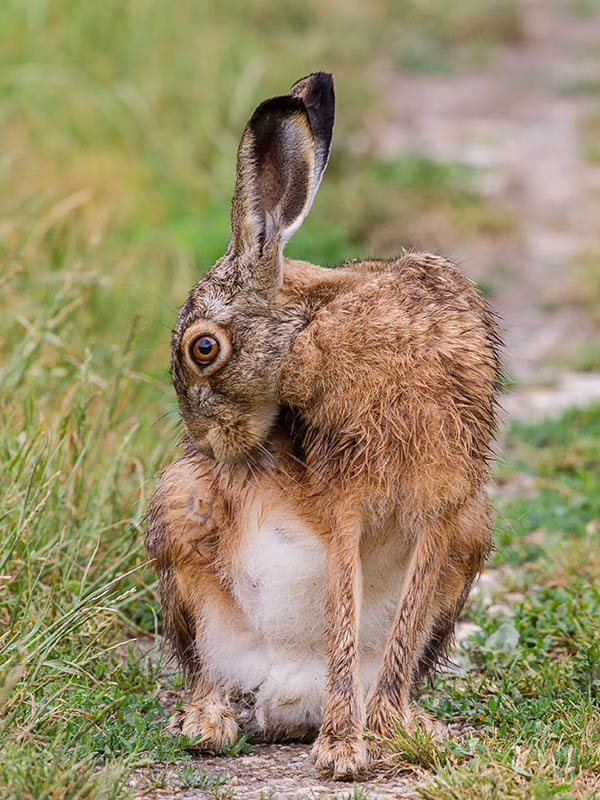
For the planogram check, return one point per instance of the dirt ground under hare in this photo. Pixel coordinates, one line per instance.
(513, 121)
(276, 772)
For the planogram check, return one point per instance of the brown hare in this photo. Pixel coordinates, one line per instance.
(318, 535)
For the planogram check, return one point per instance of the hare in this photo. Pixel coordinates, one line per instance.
(320, 532)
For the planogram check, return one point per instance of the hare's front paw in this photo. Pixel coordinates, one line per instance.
(343, 758)
(209, 722)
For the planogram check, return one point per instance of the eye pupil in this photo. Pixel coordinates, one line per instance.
(204, 349)
(205, 346)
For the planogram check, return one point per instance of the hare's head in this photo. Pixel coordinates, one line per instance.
(234, 331)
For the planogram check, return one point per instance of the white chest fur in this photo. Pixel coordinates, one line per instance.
(282, 578)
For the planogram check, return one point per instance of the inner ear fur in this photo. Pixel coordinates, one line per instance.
(318, 96)
(282, 155)
(274, 176)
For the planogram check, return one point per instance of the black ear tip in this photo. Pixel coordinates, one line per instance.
(326, 78)
(317, 83)
(321, 80)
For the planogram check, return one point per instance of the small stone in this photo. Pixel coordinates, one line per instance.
(251, 761)
(464, 630)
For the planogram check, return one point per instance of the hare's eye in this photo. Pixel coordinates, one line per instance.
(204, 349)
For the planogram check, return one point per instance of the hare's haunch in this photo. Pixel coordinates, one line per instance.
(321, 530)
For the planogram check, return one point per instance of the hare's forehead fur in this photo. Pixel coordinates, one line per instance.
(247, 317)
(216, 298)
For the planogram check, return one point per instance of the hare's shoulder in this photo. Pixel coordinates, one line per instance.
(417, 274)
(409, 341)
(313, 286)
(389, 315)
(411, 279)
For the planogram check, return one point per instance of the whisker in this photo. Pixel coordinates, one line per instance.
(267, 453)
(311, 470)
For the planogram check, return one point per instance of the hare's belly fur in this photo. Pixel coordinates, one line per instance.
(268, 643)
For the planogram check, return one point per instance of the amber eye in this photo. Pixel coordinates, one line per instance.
(204, 349)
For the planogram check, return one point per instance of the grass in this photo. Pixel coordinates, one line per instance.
(453, 37)
(585, 290)
(591, 129)
(582, 292)
(419, 201)
(119, 125)
(190, 777)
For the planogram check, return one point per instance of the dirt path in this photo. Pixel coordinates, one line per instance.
(517, 122)
(271, 772)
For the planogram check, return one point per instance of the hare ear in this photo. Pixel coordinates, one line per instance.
(281, 158)
(317, 94)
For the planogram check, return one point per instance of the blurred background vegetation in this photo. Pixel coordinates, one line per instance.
(119, 125)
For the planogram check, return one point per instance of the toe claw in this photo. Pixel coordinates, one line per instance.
(341, 759)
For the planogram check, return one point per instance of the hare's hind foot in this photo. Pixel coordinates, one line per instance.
(383, 719)
(208, 721)
(341, 757)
